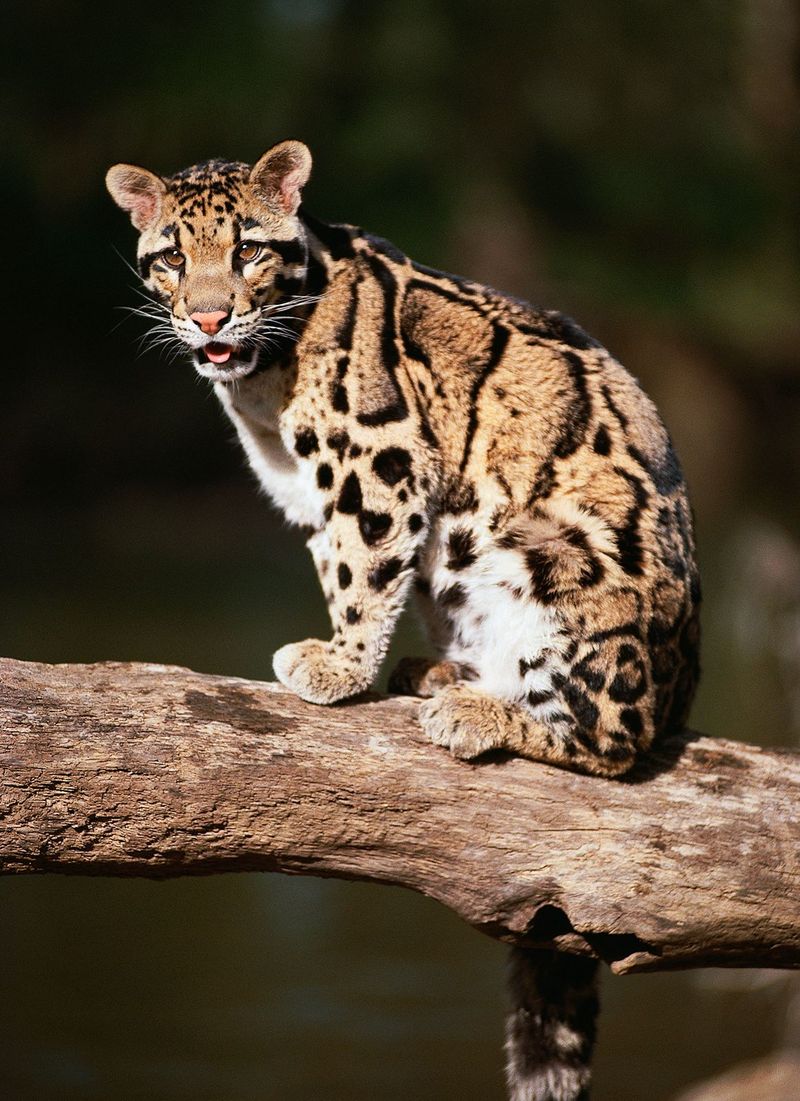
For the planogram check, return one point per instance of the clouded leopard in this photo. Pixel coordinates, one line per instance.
(436, 435)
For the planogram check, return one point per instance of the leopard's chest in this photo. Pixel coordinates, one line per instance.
(290, 482)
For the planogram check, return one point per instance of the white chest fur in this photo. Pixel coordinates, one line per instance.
(291, 484)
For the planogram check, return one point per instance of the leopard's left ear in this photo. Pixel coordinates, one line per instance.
(280, 175)
(138, 191)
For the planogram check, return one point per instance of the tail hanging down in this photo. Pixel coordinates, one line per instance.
(551, 1028)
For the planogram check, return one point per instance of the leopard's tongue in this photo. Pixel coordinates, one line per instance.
(218, 352)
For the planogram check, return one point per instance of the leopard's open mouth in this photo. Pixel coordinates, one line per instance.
(217, 352)
(222, 362)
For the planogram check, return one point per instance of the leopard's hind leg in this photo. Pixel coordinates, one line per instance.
(553, 632)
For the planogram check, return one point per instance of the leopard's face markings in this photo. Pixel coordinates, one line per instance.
(223, 254)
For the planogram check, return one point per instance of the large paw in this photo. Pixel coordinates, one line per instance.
(426, 676)
(464, 721)
(317, 673)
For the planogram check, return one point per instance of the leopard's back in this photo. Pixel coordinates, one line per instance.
(561, 500)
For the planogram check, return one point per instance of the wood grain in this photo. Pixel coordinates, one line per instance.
(152, 770)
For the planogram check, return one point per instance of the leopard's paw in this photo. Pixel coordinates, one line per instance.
(317, 673)
(464, 721)
(426, 676)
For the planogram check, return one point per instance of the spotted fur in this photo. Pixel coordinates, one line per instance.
(434, 434)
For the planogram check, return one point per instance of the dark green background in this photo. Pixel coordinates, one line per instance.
(634, 163)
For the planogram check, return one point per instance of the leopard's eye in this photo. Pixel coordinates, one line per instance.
(173, 258)
(247, 252)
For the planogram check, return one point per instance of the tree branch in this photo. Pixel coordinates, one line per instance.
(125, 769)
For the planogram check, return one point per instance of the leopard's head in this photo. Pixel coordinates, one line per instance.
(222, 252)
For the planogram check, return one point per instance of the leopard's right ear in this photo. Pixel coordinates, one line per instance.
(281, 174)
(138, 191)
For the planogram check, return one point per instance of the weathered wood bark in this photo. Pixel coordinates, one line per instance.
(121, 769)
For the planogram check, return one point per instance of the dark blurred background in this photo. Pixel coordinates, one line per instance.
(634, 163)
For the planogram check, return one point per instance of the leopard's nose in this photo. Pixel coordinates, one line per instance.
(210, 323)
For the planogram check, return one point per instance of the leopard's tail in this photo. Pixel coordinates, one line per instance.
(550, 1030)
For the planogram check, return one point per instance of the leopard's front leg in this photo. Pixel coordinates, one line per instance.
(366, 556)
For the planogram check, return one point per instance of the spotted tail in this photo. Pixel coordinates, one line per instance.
(550, 1030)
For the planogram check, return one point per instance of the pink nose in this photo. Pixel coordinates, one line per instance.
(210, 322)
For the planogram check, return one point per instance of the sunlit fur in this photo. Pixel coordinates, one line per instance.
(434, 434)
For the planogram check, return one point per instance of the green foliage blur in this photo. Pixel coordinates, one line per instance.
(633, 161)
